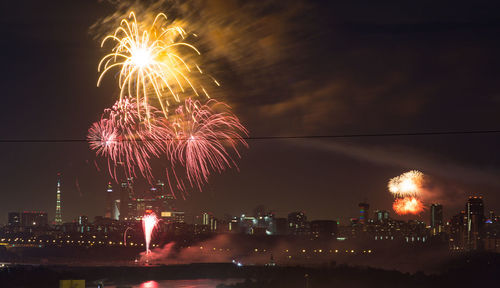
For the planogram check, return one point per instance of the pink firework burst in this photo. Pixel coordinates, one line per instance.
(205, 137)
(127, 141)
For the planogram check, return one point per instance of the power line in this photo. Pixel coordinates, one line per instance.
(331, 136)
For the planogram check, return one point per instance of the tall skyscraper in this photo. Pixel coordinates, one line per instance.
(58, 218)
(436, 219)
(363, 213)
(475, 220)
(109, 201)
(126, 195)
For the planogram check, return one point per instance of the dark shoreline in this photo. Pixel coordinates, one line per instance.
(464, 272)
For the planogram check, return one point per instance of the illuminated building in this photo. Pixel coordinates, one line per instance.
(363, 213)
(166, 199)
(381, 216)
(58, 218)
(126, 195)
(323, 229)
(30, 219)
(457, 229)
(109, 201)
(233, 225)
(209, 221)
(83, 220)
(172, 216)
(83, 223)
(475, 220)
(297, 223)
(436, 219)
(14, 219)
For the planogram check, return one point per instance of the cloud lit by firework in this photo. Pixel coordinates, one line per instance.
(128, 142)
(406, 184)
(408, 205)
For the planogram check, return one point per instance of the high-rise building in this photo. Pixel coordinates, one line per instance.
(363, 213)
(209, 220)
(436, 219)
(58, 218)
(14, 219)
(109, 201)
(34, 219)
(83, 224)
(24, 221)
(166, 197)
(475, 221)
(126, 196)
(297, 223)
(172, 216)
(323, 229)
(381, 216)
(457, 232)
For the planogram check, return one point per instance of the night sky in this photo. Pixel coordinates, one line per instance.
(288, 68)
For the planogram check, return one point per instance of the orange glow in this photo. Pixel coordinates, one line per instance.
(407, 205)
(149, 284)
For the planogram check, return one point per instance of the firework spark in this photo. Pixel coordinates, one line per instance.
(125, 140)
(205, 137)
(406, 184)
(149, 223)
(149, 60)
(407, 205)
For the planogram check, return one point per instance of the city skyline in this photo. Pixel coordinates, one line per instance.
(335, 87)
(114, 203)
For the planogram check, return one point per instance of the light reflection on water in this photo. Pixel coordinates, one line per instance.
(198, 283)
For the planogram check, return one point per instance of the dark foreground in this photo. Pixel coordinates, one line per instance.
(467, 271)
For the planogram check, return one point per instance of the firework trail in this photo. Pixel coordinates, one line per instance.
(149, 60)
(125, 140)
(205, 136)
(407, 205)
(149, 223)
(406, 184)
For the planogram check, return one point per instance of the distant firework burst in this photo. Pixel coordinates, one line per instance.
(205, 137)
(127, 141)
(149, 223)
(407, 205)
(406, 184)
(149, 59)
